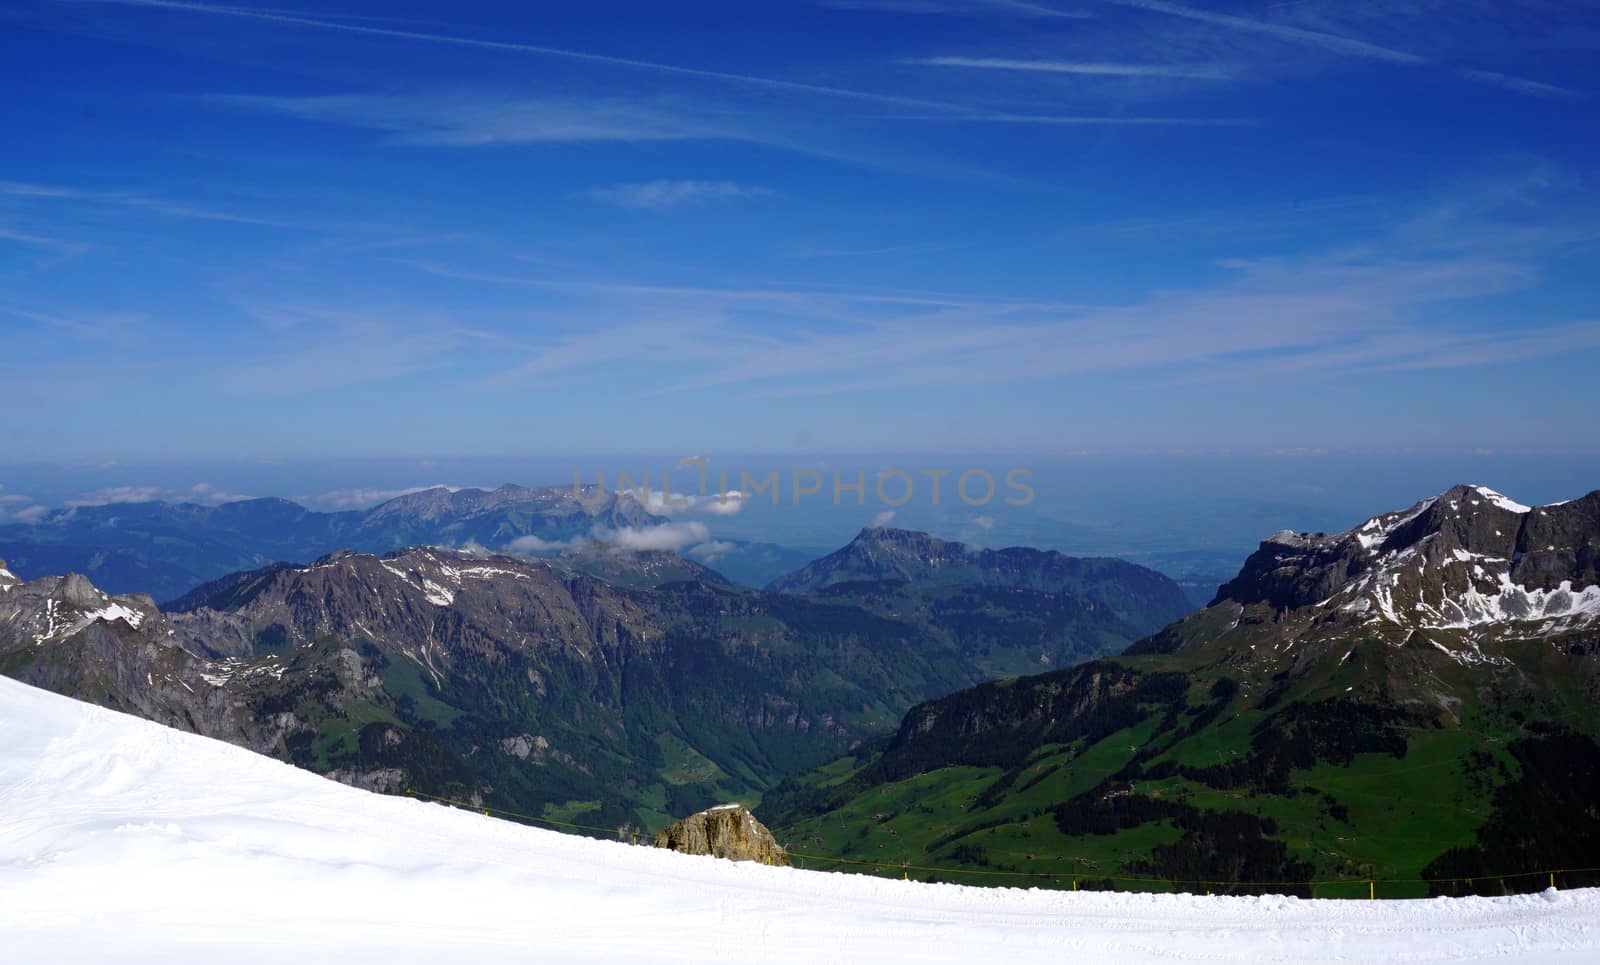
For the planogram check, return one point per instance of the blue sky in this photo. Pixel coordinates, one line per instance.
(445, 230)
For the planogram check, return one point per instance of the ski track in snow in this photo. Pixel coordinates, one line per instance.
(124, 841)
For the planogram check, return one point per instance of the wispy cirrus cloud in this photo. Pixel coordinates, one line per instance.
(1322, 40)
(468, 120)
(125, 199)
(1084, 68)
(1519, 84)
(317, 348)
(98, 325)
(1401, 298)
(963, 8)
(559, 53)
(483, 119)
(58, 245)
(666, 193)
(1094, 120)
(546, 120)
(1338, 43)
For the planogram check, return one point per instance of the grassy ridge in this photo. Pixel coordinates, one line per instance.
(1338, 772)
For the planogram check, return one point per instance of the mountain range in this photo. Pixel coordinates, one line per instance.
(167, 549)
(1141, 598)
(613, 687)
(1412, 700)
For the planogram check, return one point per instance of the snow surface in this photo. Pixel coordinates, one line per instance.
(123, 841)
(1503, 502)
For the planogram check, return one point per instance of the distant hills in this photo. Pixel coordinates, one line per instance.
(608, 686)
(1412, 699)
(1141, 598)
(167, 549)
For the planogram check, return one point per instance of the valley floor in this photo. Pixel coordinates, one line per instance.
(123, 841)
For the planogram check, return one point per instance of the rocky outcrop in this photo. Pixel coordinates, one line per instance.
(726, 831)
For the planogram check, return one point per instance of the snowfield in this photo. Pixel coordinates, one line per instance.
(124, 841)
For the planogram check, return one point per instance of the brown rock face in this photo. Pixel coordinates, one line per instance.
(727, 831)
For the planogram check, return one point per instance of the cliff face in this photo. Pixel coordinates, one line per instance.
(726, 831)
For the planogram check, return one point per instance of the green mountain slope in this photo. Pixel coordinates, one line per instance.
(1413, 701)
(595, 687)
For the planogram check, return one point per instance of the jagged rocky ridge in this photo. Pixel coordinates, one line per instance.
(535, 683)
(1462, 571)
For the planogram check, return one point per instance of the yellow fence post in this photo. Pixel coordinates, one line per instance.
(1372, 891)
(1552, 879)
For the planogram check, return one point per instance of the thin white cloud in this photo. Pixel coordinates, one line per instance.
(1088, 120)
(116, 495)
(667, 537)
(962, 8)
(458, 119)
(1332, 312)
(46, 192)
(1333, 43)
(576, 127)
(20, 509)
(344, 348)
(17, 508)
(208, 495)
(1085, 68)
(39, 241)
(1337, 43)
(364, 498)
(470, 120)
(745, 80)
(671, 193)
(716, 504)
(709, 553)
(882, 519)
(533, 545)
(1519, 84)
(203, 493)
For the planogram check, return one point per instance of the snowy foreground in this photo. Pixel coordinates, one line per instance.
(121, 840)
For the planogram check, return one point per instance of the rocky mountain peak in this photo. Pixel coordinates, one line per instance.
(55, 608)
(907, 542)
(1468, 559)
(75, 588)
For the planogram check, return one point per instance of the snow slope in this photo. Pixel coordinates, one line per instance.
(123, 841)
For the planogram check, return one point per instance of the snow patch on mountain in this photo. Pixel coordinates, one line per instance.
(1374, 531)
(117, 611)
(436, 594)
(1505, 503)
(1518, 603)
